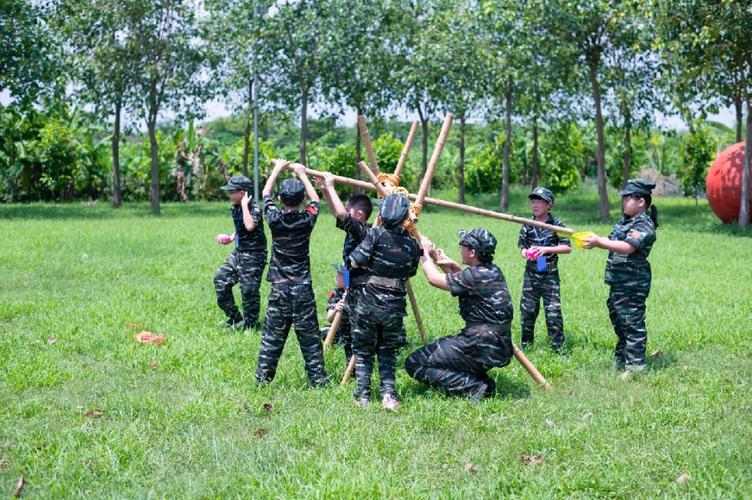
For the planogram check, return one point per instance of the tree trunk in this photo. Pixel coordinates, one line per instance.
(304, 126)
(461, 163)
(116, 193)
(152, 126)
(739, 116)
(601, 155)
(504, 195)
(247, 135)
(744, 208)
(535, 160)
(627, 148)
(424, 143)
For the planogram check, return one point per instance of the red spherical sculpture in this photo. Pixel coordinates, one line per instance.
(723, 183)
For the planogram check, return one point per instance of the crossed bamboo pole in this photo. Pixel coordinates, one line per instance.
(383, 188)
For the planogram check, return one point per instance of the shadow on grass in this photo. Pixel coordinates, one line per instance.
(505, 389)
(665, 360)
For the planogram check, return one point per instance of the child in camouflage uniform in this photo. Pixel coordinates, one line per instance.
(628, 273)
(390, 256)
(246, 262)
(541, 248)
(458, 364)
(353, 220)
(291, 300)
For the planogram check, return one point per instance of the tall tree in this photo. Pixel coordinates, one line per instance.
(233, 30)
(294, 41)
(28, 54)
(702, 38)
(104, 60)
(506, 34)
(417, 63)
(358, 67)
(592, 29)
(171, 60)
(461, 83)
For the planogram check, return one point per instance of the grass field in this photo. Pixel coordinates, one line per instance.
(186, 420)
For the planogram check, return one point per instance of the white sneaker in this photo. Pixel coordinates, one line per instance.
(389, 402)
(362, 402)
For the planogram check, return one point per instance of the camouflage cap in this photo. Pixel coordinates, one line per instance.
(394, 209)
(238, 183)
(291, 191)
(480, 240)
(638, 186)
(544, 194)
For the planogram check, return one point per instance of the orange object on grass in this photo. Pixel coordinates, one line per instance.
(149, 338)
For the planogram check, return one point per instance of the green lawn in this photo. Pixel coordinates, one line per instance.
(186, 420)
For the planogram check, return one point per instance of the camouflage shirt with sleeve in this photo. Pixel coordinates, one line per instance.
(355, 232)
(385, 253)
(249, 241)
(291, 236)
(535, 236)
(483, 294)
(639, 232)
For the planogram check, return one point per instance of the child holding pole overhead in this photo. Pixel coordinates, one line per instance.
(628, 272)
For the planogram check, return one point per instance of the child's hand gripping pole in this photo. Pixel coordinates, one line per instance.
(335, 326)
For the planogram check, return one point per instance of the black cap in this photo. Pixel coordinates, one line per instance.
(641, 187)
(544, 194)
(291, 191)
(480, 240)
(394, 209)
(238, 183)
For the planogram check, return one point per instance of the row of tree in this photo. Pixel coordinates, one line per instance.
(523, 61)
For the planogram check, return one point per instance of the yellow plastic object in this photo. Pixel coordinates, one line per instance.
(579, 238)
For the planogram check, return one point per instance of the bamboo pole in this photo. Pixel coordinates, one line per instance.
(348, 370)
(431, 168)
(416, 311)
(334, 327)
(367, 143)
(565, 231)
(532, 370)
(406, 148)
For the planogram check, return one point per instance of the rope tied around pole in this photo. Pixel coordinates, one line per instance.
(388, 179)
(411, 228)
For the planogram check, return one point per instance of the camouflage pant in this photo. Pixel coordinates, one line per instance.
(626, 308)
(288, 305)
(534, 287)
(458, 364)
(247, 269)
(371, 337)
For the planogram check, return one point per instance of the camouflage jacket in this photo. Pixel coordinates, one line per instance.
(535, 236)
(355, 232)
(248, 241)
(639, 232)
(385, 253)
(291, 236)
(483, 294)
